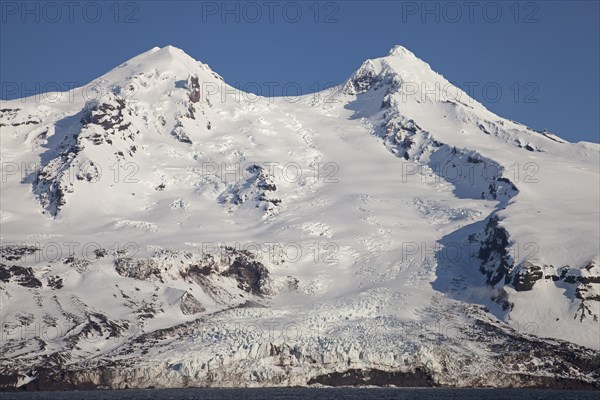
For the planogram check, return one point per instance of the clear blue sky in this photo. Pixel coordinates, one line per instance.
(543, 55)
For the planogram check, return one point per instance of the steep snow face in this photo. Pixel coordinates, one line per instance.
(188, 233)
(421, 114)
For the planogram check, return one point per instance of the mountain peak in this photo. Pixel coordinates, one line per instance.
(399, 50)
(171, 52)
(167, 59)
(167, 54)
(399, 62)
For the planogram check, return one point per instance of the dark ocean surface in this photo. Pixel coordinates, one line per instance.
(310, 393)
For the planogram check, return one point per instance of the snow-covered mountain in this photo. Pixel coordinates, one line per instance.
(163, 229)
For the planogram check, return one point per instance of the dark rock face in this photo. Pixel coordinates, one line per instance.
(190, 305)
(5, 274)
(55, 282)
(364, 79)
(101, 123)
(364, 82)
(251, 275)
(99, 253)
(15, 253)
(51, 183)
(258, 187)
(20, 275)
(77, 263)
(585, 288)
(108, 115)
(7, 114)
(264, 182)
(493, 252)
(8, 380)
(525, 276)
(496, 262)
(399, 135)
(138, 269)
(99, 324)
(193, 85)
(13, 117)
(500, 270)
(359, 377)
(573, 276)
(179, 134)
(586, 308)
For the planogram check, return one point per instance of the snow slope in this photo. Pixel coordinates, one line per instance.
(161, 228)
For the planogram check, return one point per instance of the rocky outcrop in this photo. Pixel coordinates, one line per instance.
(375, 377)
(586, 285)
(363, 80)
(16, 252)
(142, 269)
(14, 117)
(249, 275)
(525, 275)
(52, 181)
(190, 305)
(22, 276)
(109, 115)
(193, 86)
(500, 270)
(252, 276)
(258, 187)
(179, 134)
(493, 251)
(102, 121)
